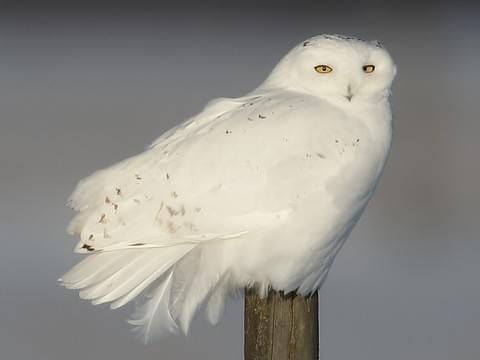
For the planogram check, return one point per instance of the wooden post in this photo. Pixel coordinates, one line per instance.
(281, 327)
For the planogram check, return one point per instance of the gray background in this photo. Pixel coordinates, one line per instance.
(82, 87)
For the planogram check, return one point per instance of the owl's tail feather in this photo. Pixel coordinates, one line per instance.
(180, 293)
(169, 279)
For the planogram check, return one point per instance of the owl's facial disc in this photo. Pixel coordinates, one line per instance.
(337, 68)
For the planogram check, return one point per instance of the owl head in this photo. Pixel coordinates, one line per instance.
(337, 68)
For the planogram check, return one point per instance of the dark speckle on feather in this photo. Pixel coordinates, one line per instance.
(103, 219)
(137, 244)
(91, 237)
(228, 132)
(158, 216)
(321, 156)
(167, 176)
(118, 191)
(88, 247)
(261, 116)
(138, 177)
(171, 211)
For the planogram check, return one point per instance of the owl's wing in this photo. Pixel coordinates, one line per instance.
(119, 207)
(90, 190)
(142, 220)
(206, 179)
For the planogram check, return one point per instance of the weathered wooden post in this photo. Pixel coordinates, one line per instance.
(281, 327)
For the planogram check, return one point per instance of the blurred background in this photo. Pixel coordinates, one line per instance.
(83, 86)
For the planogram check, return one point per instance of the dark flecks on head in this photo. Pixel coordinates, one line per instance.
(306, 43)
(341, 37)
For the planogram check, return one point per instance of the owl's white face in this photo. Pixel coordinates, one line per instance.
(337, 68)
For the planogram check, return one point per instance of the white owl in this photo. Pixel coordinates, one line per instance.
(262, 189)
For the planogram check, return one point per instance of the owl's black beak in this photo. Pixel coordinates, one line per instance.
(349, 95)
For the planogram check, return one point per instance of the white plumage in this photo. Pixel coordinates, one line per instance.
(262, 189)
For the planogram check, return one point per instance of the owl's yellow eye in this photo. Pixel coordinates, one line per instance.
(369, 68)
(323, 69)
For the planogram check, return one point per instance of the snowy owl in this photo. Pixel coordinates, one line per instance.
(259, 190)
